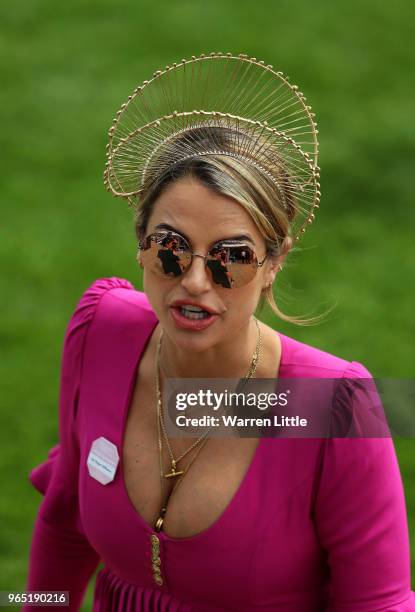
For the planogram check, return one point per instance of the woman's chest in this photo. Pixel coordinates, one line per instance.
(241, 522)
(212, 470)
(259, 542)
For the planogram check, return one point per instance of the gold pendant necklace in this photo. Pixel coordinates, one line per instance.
(200, 442)
(174, 473)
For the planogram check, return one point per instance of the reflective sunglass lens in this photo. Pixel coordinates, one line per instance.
(166, 255)
(232, 266)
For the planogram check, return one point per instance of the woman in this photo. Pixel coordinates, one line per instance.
(240, 524)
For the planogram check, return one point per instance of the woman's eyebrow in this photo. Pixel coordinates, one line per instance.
(170, 228)
(241, 237)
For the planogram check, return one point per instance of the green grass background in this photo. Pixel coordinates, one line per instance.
(65, 70)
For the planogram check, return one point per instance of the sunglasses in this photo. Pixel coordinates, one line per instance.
(232, 264)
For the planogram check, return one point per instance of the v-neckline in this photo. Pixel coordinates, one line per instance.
(239, 491)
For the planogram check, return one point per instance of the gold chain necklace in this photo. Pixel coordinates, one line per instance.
(199, 442)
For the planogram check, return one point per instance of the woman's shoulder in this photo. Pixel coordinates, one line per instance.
(120, 287)
(299, 359)
(115, 299)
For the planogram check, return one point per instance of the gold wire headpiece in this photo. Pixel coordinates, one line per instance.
(250, 112)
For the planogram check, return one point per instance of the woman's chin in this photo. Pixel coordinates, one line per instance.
(190, 337)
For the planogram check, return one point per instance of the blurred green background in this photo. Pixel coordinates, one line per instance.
(65, 70)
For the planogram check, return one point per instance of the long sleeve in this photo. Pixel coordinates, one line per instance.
(61, 558)
(361, 522)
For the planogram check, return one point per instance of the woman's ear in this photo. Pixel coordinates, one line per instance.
(285, 249)
(277, 261)
(139, 260)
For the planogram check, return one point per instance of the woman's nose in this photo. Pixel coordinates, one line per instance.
(196, 279)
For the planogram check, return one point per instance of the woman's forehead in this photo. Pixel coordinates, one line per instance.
(194, 209)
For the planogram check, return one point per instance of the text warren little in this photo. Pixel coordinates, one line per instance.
(235, 421)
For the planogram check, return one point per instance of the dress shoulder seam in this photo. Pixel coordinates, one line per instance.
(83, 345)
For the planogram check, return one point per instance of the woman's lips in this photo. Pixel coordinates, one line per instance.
(188, 302)
(193, 324)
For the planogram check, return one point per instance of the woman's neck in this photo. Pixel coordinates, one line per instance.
(231, 358)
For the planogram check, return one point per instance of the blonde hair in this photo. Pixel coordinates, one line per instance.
(271, 206)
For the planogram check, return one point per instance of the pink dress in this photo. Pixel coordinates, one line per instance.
(317, 524)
